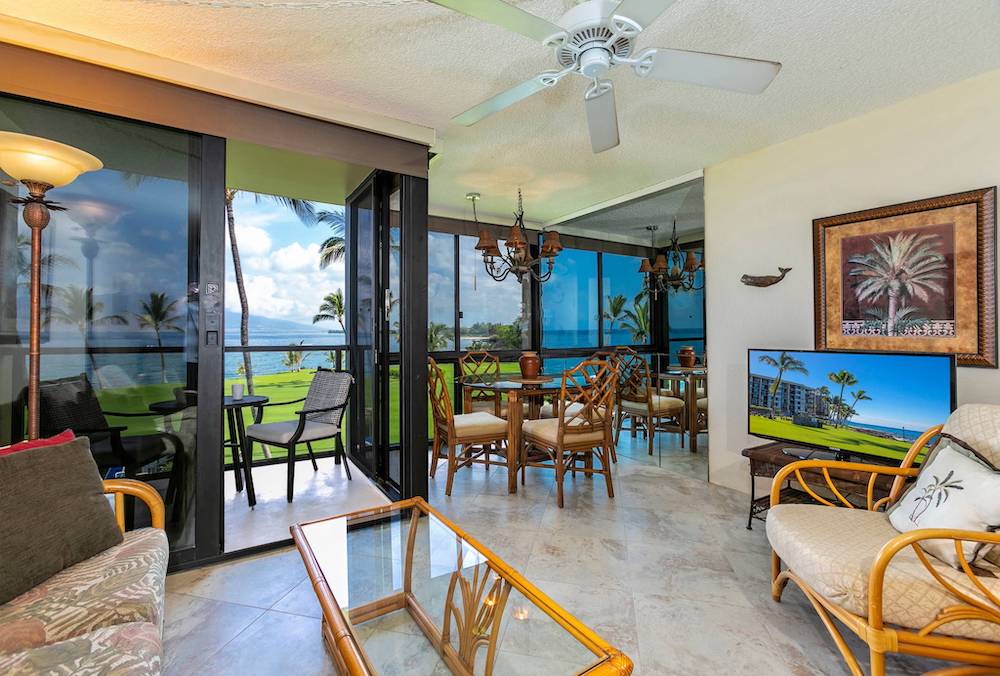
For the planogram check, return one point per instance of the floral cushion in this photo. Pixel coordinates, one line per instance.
(120, 585)
(124, 649)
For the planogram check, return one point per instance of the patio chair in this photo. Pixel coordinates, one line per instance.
(480, 434)
(320, 418)
(71, 403)
(642, 405)
(581, 429)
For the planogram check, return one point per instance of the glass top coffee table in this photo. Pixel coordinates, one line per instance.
(404, 589)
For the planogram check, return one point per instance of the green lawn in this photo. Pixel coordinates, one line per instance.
(278, 387)
(847, 440)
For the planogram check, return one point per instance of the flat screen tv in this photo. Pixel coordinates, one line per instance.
(854, 403)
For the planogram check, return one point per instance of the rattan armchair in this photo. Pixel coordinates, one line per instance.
(581, 429)
(477, 365)
(853, 566)
(480, 434)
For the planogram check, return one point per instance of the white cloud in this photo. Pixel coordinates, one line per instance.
(252, 241)
(295, 257)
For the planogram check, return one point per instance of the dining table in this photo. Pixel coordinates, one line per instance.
(688, 377)
(517, 390)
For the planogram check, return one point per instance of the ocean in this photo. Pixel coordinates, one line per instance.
(909, 435)
(124, 369)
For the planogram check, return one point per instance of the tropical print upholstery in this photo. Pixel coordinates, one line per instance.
(123, 650)
(832, 550)
(124, 584)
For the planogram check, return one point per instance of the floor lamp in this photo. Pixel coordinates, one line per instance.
(40, 164)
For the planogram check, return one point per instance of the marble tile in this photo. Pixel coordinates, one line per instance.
(276, 643)
(194, 629)
(586, 561)
(301, 600)
(259, 581)
(397, 654)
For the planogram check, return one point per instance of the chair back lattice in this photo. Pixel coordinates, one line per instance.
(328, 389)
(437, 391)
(633, 378)
(592, 385)
(479, 365)
(69, 403)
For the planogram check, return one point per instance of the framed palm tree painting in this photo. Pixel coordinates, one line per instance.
(913, 277)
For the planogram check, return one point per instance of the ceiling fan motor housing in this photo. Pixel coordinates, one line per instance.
(590, 39)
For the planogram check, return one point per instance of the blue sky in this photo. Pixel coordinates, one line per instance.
(280, 258)
(907, 391)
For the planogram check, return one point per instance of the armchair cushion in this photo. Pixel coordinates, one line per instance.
(661, 404)
(833, 550)
(54, 514)
(978, 425)
(547, 430)
(282, 432)
(952, 491)
(121, 584)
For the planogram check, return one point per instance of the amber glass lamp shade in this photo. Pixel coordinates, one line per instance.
(516, 239)
(487, 244)
(645, 266)
(38, 160)
(691, 262)
(661, 264)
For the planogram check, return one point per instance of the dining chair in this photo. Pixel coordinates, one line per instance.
(479, 364)
(480, 433)
(639, 402)
(320, 418)
(581, 429)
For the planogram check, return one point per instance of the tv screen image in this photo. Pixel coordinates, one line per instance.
(872, 404)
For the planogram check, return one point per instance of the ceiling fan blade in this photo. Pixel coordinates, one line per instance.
(735, 73)
(506, 16)
(602, 116)
(504, 99)
(643, 12)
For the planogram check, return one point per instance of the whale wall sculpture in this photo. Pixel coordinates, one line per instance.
(765, 280)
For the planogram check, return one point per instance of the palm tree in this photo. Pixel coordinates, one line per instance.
(784, 362)
(844, 379)
(637, 318)
(858, 395)
(332, 308)
(907, 266)
(614, 312)
(305, 212)
(48, 262)
(75, 306)
(333, 247)
(293, 359)
(438, 336)
(159, 315)
(822, 397)
(333, 358)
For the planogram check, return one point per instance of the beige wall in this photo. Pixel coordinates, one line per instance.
(758, 215)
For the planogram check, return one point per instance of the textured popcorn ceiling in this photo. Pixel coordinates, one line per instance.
(418, 62)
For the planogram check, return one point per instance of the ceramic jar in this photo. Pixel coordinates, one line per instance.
(530, 364)
(686, 356)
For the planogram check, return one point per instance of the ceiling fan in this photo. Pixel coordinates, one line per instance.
(595, 36)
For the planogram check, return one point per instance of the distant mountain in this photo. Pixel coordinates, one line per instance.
(258, 323)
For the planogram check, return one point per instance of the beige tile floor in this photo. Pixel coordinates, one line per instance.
(317, 494)
(666, 571)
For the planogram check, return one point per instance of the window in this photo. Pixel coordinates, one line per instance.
(118, 328)
(686, 314)
(440, 292)
(492, 312)
(626, 308)
(569, 301)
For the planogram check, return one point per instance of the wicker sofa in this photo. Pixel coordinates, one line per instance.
(103, 615)
(853, 565)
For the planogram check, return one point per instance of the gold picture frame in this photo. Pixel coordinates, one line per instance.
(913, 277)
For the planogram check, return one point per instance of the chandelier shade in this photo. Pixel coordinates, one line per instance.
(518, 259)
(674, 270)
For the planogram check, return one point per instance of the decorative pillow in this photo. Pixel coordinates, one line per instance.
(61, 438)
(953, 490)
(54, 514)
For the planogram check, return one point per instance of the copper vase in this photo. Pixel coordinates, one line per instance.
(686, 356)
(530, 364)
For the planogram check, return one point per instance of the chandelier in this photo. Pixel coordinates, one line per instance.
(517, 258)
(675, 271)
